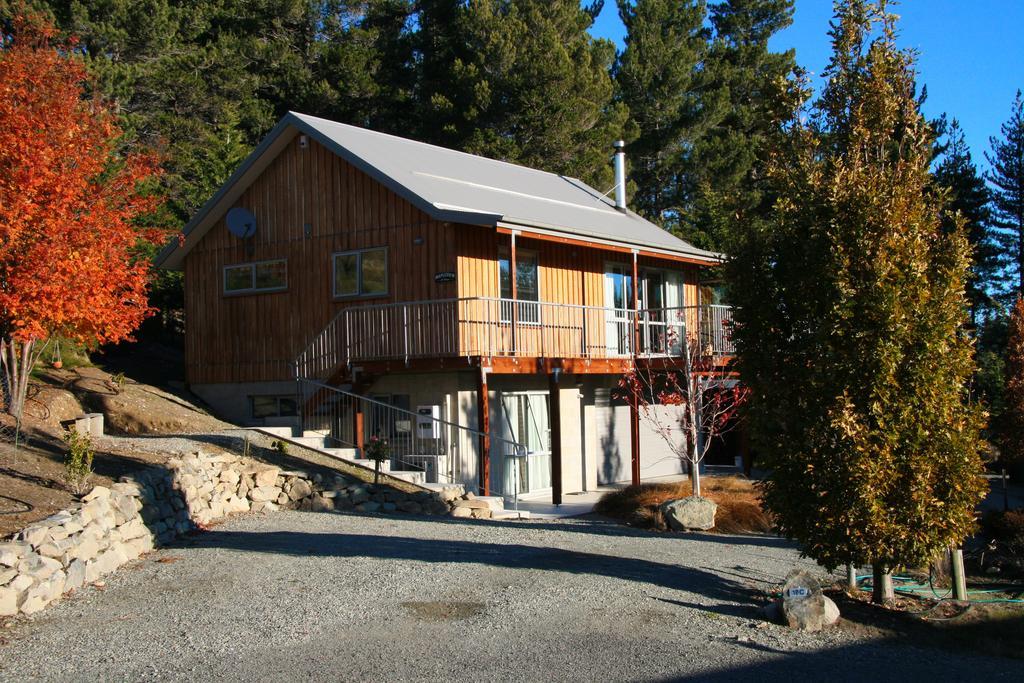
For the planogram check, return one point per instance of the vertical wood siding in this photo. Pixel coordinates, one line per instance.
(255, 337)
(568, 274)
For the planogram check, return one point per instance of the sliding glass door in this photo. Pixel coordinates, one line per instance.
(661, 317)
(526, 421)
(618, 297)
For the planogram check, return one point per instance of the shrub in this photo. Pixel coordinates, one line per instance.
(739, 504)
(1007, 528)
(77, 461)
(378, 450)
(117, 382)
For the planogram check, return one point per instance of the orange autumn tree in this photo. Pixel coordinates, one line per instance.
(69, 202)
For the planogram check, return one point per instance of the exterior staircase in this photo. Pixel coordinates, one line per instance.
(317, 441)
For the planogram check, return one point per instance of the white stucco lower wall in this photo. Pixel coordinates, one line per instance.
(595, 426)
(230, 401)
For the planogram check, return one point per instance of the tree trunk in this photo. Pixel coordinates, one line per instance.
(694, 459)
(376, 471)
(16, 361)
(692, 417)
(882, 592)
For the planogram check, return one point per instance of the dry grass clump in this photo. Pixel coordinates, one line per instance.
(739, 504)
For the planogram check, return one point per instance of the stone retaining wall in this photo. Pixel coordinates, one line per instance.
(115, 525)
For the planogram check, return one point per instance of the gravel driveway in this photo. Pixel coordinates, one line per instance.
(346, 597)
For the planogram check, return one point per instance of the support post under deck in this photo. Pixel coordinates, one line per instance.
(555, 422)
(357, 427)
(483, 416)
(634, 408)
(634, 441)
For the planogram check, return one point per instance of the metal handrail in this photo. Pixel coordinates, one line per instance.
(333, 415)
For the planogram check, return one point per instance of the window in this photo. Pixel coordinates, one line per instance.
(272, 406)
(396, 425)
(263, 276)
(361, 273)
(712, 293)
(527, 286)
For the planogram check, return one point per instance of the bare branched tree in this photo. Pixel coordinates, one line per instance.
(695, 380)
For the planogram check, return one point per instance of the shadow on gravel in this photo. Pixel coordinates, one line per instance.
(605, 526)
(512, 556)
(892, 658)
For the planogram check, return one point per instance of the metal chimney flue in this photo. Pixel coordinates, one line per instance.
(620, 175)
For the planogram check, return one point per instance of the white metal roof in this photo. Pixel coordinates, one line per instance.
(451, 186)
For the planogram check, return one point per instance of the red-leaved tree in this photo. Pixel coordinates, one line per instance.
(689, 399)
(1012, 441)
(68, 207)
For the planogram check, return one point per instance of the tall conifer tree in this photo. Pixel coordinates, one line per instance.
(761, 88)
(969, 199)
(519, 80)
(849, 322)
(658, 78)
(1007, 179)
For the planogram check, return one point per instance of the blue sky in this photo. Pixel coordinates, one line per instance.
(971, 54)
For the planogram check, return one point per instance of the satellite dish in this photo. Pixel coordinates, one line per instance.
(241, 222)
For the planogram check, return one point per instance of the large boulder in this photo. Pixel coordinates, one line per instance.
(691, 513)
(803, 606)
(300, 489)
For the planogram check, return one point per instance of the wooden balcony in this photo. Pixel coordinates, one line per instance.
(483, 327)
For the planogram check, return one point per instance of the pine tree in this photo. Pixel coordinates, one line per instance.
(199, 82)
(969, 199)
(1012, 432)
(658, 78)
(761, 89)
(1007, 179)
(519, 80)
(363, 67)
(849, 322)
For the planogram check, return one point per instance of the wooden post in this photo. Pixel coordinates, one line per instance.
(357, 427)
(636, 309)
(483, 418)
(634, 407)
(851, 577)
(513, 277)
(956, 561)
(634, 440)
(555, 423)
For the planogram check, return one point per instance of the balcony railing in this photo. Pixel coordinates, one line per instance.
(492, 327)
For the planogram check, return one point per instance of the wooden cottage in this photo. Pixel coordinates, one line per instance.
(476, 314)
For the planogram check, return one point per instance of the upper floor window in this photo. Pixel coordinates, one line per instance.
(527, 285)
(712, 293)
(262, 276)
(363, 272)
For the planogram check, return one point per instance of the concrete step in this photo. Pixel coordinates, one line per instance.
(343, 453)
(511, 514)
(413, 477)
(458, 489)
(283, 432)
(349, 455)
(317, 442)
(316, 433)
